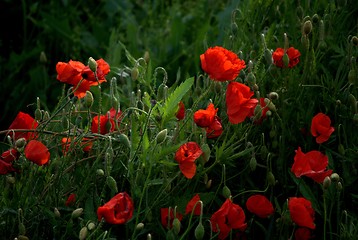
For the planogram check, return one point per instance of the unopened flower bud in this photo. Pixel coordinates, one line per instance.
(341, 149)
(134, 73)
(92, 64)
(83, 233)
(77, 213)
(100, 172)
(139, 226)
(56, 212)
(307, 27)
(91, 226)
(22, 237)
(268, 56)
(285, 60)
(257, 112)
(253, 164)
(273, 95)
(38, 114)
(327, 182)
(251, 79)
(354, 40)
(353, 102)
(46, 116)
(176, 226)
(299, 12)
(146, 57)
(352, 76)
(271, 179)
(208, 184)
(339, 186)
(112, 184)
(22, 229)
(199, 231)
(125, 140)
(88, 99)
(10, 179)
(161, 136)
(270, 105)
(315, 18)
(43, 58)
(162, 92)
(20, 143)
(335, 177)
(206, 152)
(226, 192)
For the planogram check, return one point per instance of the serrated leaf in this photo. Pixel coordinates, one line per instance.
(175, 97)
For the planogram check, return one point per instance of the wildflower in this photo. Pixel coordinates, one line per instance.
(312, 164)
(118, 210)
(105, 120)
(71, 199)
(229, 216)
(23, 121)
(86, 144)
(301, 212)
(181, 111)
(215, 129)
(37, 152)
(166, 218)
(293, 56)
(6, 160)
(80, 76)
(191, 204)
(208, 119)
(239, 104)
(260, 206)
(221, 64)
(264, 109)
(186, 156)
(6, 167)
(321, 127)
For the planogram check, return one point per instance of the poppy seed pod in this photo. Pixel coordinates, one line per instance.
(92, 64)
(307, 27)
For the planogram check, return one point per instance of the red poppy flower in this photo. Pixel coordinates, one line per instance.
(106, 121)
(260, 206)
(71, 199)
(312, 164)
(215, 129)
(321, 127)
(10, 155)
(204, 118)
(221, 64)
(229, 216)
(118, 210)
(86, 144)
(80, 76)
(301, 212)
(23, 121)
(6, 167)
(37, 152)
(181, 111)
(292, 53)
(186, 156)
(238, 102)
(164, 215)
(191, 204)
(302, 234)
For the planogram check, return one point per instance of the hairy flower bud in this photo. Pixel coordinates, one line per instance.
(88, 99)
(20, 143)
(134, 73)
(38, 114)
(100, 172)
(327, 182)
(335, 177)
(125, 140)
(253, 164)
(77, 213)
(43, 58)
(83, 233)
(91, 226)
(226, 192)
(354, 40)
(139, 226)
(176, 226)
(307, 27)
(92, 64)
(199, 231)
(112, 184)
(56, 212)
(161, 136)
(271, 179)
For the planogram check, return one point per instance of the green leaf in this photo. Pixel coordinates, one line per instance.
(174, 98)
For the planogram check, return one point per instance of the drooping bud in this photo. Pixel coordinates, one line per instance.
(20, 143)
(285, 59)
(88, 99)
(162, 92)
(352, 76)
(43, 58)
(339, 186)
(353, 102)
(335, 177)
(199, 231)
(112, 184)
(341, 149)
(268, 56)
(125, 140)
(161, 136)
(270, 105)
(46, 116)
(22, 229)
(326, 182)
(134, 73)
(56, 212)
(38, 114)
(257, 112)
(176, 226)
(208, 184)
(226, 192)
(91, 226)
(253, 164)
(83, 233)
(77, 213)
(100, 172)
(10, 179)
(146, 57)
(273, 95)
(354, 40)
(271, 179)
(139, 226)
(307, 27)
(92, 64)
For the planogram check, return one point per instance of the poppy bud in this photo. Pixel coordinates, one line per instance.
(38, 114)
(321, 30)
(285, 60)
(353, 102)
(315, 18)
(226, 192)
(91, 226)
(206, 178)
(162, 92)
(208, 184)
(125, 140)
(112, 184)
(161, 136)
(43, 58)
(100, 172)
(139, 226)
(206, 152)
(22, 237)
(307, 27)
(326, 182)
(199, 231)
(20, 143)
(322, 45)
(56, 212)
(352, 76)
(271, 179)
(176, 226)
(335, 177)
(257, 112)
(22, 229)
(339, 186)
(146, 57)
(305, 41)
(88, 99)
(354, 40)
(10, 179)
(77, 213)
(270, 105)
(134, 73)
(92, 64)
(253, 164)
(46, 116)
(263, 152)
(273, 95)
(83, 233)
(170, 235)
(268, 56)
(341, 149)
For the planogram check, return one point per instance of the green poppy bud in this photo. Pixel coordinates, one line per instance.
(83, 233)
(43, 58)
(38, 115)
(100, 172)
(271, 179)
(315, 18)
(161, 136)
(91, 226)
(354, 40)
(273, 95)
(56, 212)
(226, 192)
(199, 231)
(268, 56)
(335, 177)
(112, 184)
(77, 213)
(206, 152)
(125, 140)
(88, 99)
(341, 149)
(339, 186)
(176, 226)
(134, 73)
(10, 179)
(253, 164)
(326, 182)
(22, 229)
(146, 57)
(307, 27)
(22, 237)
(285, 60)
(139, 226)
(352, 76)
(92, 64)
(20, 143)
